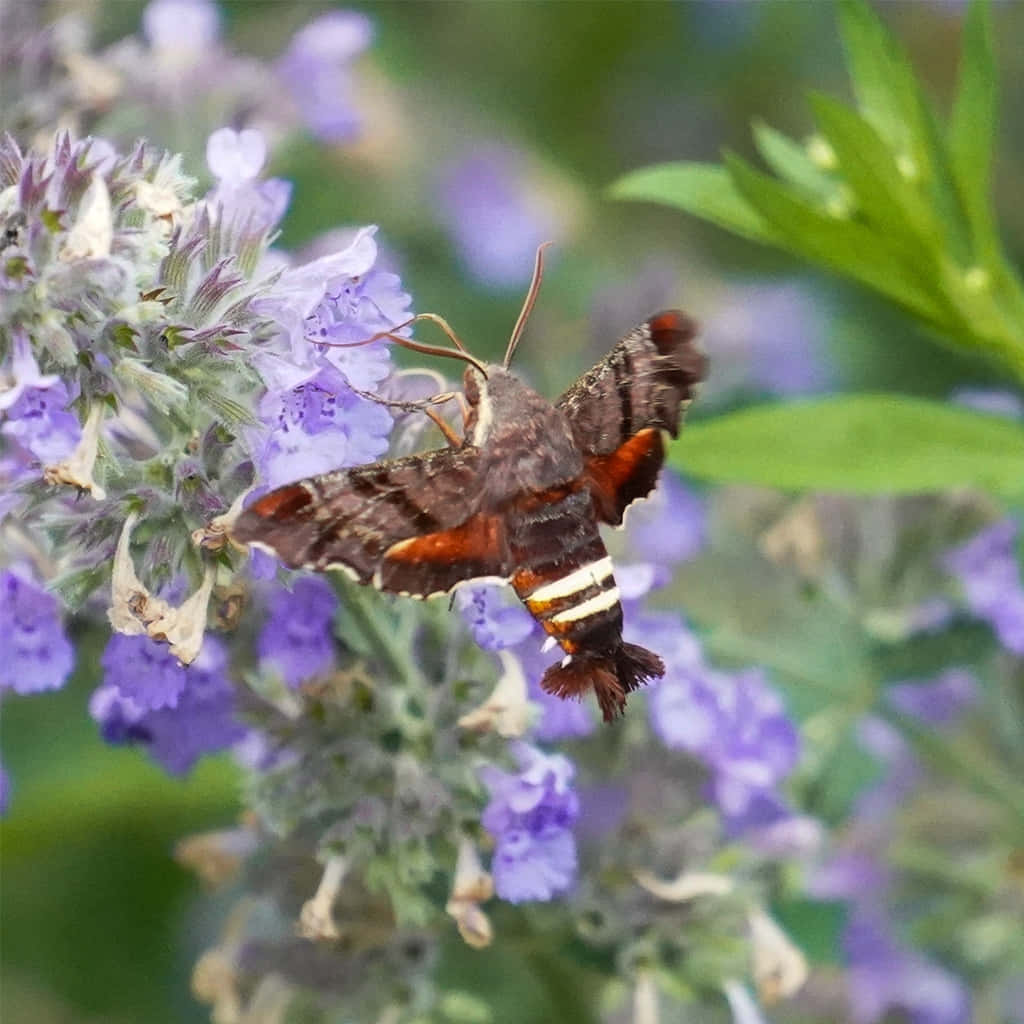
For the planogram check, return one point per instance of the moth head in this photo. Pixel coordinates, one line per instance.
(489, 396)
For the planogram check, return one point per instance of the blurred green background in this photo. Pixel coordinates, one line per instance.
(98, 921)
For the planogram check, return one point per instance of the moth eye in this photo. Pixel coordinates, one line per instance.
(470, 387)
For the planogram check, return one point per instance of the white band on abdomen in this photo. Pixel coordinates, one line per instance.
(576, 581)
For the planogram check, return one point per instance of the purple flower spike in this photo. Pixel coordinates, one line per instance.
(669, 527)
(37, 653)
(297, 638)
(315, 71)
(989, 573)
(496, 220)
(530, 816)
(940, 702)
(203, 721)
(143, 671)
(884, 976)
(181, 26)
(493, 620)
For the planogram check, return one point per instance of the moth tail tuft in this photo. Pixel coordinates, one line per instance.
(611, 676)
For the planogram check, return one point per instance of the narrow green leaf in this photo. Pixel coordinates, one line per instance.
(858, 444)
(883, 78)
(871, 257)
(702, 189)
(972, 128)
(868, 167)
(789, 160)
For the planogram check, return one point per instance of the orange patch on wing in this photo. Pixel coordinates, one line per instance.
(479, 540)
(628, 473)
(281, 504)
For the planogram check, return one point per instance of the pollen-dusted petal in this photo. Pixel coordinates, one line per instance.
(508, 711)
(76, 469)
(183, 627)
(91, 235)
(132, 606)
(316, 919)
(780, 969)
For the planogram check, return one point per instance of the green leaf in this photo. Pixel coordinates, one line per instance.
(848, 247)
(868, 167)
(815, 926)
(972, 128)
(858, 444)
(703, 189)
(789, 160)
(883, 79)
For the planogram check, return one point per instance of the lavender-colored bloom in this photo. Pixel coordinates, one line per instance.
(883, 977)
(201, 722)
(767, 338)
(319, 426)
(37, 653)
(530, 815)
(939, 702)
(143, 671)
(996, 403)
(494, 621)
(297, 639)
(235, 159)
(669, 526)
(181, 26)
(757, 747)
(989, 573)
(495, 217)
(315, 70)
(34, 406)
(40, 423)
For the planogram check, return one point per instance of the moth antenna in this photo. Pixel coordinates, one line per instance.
(415, 346)
(528, 303)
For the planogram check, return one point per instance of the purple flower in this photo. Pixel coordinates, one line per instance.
(235, 159)
(939, 702)
(495, 217)
(201, 722)
(297, 639)
(494, 621)
(315, 70)
(181, 26)
(989, 573)
(34, 406)
(669, 526)
(530, 815)
(37, 653)
(767, 338)
(996, 403)
(143, 671)
(883, 977)
(318, 426)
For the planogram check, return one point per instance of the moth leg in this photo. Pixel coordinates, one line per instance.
(442, 424)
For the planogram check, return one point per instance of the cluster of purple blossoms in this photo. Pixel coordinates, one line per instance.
(37, 653)
(884, 975)
(178, 713)
(495, 215)
(184, 59)
(989, 572)
(530, 815)
(296, 639)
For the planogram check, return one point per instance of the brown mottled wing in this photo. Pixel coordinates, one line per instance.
(618, 409)
(410, 525)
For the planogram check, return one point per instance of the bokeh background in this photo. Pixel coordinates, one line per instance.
(530, 109)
